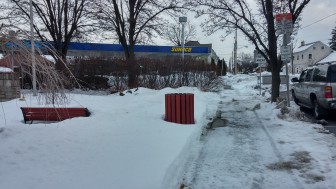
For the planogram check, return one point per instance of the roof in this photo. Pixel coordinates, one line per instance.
(5, 70)
(304, 47)
(7, 60)
(17, 59)
(329, 59)
(192, 43)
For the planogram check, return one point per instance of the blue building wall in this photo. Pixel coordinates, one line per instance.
(76, 46)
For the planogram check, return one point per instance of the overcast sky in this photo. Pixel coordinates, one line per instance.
(315, 11)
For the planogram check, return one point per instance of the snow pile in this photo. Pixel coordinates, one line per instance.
(125, 143)
(6, 70)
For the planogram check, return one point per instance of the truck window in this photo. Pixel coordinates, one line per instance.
(303, 75)
(308, 75)
(320, 74)
(332, 74)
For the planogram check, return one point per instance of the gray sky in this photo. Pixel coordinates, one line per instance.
(315, 11)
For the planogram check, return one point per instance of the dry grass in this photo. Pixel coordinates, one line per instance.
(300, 160)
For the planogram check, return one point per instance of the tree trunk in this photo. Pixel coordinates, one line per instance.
(272, 44)
(60, 62)
(132, 76)
(276, 67)
(132, 69)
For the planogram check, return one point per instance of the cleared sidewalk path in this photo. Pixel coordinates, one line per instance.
(238, 154)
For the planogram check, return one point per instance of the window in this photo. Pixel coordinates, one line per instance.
(320, 74)
(303, 75)
(297, 58)
(314, 48)
(308, 75)
(302, 56)
(322, 47)
(310, 56)
(332, 74)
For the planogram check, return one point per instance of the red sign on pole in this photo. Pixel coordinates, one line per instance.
(284, 23)
(284, 16)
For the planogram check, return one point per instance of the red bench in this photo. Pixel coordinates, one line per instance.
(52, 113)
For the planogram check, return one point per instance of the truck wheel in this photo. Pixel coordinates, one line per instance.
(318, 110)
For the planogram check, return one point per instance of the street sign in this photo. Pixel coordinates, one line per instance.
(284, 16)
(285, 49)
(285, 57)
(259, 59)
(284, 23)
(286, 52)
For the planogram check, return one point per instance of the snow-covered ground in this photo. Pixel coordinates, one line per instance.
(4, 69)
(125, 143)
(260, 146)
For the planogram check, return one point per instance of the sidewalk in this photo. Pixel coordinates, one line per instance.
(238, 161)
(251, 149)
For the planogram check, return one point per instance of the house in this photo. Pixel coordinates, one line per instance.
(309, 54)
(15, 61)
(329, 59)
(19, 64)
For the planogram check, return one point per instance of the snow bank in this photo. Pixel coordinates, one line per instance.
(125, 143)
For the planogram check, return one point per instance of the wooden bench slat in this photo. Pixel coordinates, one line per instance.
(52, 114)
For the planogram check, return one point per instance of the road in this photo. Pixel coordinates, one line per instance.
(331, 126)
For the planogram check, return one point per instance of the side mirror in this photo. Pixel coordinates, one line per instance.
(295, 80)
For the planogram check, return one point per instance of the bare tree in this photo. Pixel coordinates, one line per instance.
(50, 82)
(172, 33)
(258, 26)
(134, 21)
(5, 17)
(56, 21)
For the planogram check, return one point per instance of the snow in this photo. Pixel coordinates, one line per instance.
(303, 48)
(125, 143)
(4, 69)
(330, 58)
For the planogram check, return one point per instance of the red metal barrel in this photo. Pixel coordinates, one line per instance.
(179, 108)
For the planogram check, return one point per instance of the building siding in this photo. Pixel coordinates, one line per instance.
(311, 55)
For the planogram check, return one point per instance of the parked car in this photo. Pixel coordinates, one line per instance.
(316, 89)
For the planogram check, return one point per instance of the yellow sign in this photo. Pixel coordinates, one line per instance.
(179, 49)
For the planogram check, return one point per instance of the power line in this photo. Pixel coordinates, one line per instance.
(318, 21)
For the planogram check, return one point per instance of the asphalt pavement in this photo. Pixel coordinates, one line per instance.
(331, 119)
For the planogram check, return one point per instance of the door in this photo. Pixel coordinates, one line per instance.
(306, 88)
(298, 86)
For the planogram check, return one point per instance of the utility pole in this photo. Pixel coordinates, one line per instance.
(292, 59)
(32, 48)
(12, 35)
(235, 54)
(183, 20)
(285, 28)
(222, 67)
(232, 63)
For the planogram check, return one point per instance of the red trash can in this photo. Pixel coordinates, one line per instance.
(179, 108)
